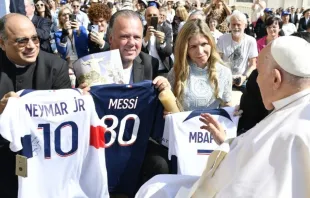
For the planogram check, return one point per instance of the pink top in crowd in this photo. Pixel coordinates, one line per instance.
(261, 43)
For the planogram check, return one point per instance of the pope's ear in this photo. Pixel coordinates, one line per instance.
(277, 79)
(2, 46)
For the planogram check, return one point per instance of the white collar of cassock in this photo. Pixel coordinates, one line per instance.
(285, 101)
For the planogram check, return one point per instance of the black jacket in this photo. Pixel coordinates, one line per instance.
(145, 67)
(95, 48)
(295, 20)
(260, 29)
(302, 25)
(49, 72)
(164, 53)
(43, 27)
(17, 6)
(252, 105)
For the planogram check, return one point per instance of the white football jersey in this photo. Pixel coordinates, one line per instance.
(60, 134)
(192, 145)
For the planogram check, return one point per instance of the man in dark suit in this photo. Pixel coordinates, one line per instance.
(157, 41)
(138, 66)
(293, 16)
(42, 25)
(127, 38)
(17, 6)
(23, 66)
(304, 20)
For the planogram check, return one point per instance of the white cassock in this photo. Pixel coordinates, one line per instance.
(271, 160)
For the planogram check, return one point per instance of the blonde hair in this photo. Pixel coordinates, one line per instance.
(181, 64)
(182, 13)
(66, 7)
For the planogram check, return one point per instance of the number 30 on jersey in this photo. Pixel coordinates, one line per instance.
(114, 125)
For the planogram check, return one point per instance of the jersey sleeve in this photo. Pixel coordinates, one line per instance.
(158, 129)
(94, 180)
(9, 124)
(169, 129)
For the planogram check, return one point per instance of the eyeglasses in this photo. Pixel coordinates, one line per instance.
(65, 14)
(40, 5)
(22, 42)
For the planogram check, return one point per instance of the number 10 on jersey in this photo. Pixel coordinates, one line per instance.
(57, 139)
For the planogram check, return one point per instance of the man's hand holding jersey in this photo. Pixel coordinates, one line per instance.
(161, 83)
(5, 99)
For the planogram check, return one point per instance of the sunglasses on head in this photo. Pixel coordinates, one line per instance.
(22, 42)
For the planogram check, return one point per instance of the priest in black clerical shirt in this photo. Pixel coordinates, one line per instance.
(23, 66)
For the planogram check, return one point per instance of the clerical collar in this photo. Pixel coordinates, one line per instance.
(285, 101)
(20, 66)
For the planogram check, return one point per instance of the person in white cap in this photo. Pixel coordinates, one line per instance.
(273, 158)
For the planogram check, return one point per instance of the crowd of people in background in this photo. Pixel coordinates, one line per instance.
(203, 51)
(73, 38)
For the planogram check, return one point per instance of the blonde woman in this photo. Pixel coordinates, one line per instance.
(71, 38)
(199, 79)
(182, 14)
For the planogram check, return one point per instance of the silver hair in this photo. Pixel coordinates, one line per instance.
(238, 15)
(122, 13)
(199, 13)
(31, 2)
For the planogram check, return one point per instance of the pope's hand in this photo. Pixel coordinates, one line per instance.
(214, 127)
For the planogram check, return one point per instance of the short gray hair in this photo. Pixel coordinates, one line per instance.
(123, 13)
(31, 2)
(238, 15)
(199, 13)
(3, 34)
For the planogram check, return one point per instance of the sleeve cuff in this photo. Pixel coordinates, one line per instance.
(144, 43)
(63, 44)
(163, 45)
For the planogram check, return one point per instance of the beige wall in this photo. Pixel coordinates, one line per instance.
(275, 3)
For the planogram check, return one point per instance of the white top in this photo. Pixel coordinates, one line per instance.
(236, 54)
(198, 91)
(289, 29)
(216, 35)
(128, 75)
(59, 133)
(181, 25)
(82, 18)
(270, 160)
(170, 15)
(258, 12)
(4, 7)
(153, 51)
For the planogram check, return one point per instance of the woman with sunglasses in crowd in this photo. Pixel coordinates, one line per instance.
(42, 9)
(54, 12)
(71, 38)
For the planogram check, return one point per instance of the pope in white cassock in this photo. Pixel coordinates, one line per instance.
(272, 159)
